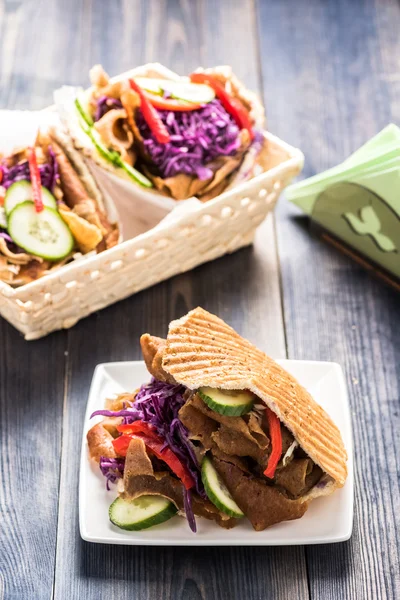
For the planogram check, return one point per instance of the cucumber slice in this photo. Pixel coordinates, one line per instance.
(141, 513)
(217, 491)
(134, 173)
(82, 106)
(113, 157)
(42, 234)
(232, 403)
(110, 155)
(3, 218)
(198, 93)
(151, 84)
(21, 191)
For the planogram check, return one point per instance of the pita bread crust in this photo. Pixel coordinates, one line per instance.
(202, 350)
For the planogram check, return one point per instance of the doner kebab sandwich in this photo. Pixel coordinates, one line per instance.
(51, 209)
(221, 431)
(181, 136)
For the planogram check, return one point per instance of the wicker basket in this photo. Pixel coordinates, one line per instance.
(218, 227)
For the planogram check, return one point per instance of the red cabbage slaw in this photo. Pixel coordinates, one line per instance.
(197, 138)
(48, 172)
(158, 404)
(105, 104)
(112, 469)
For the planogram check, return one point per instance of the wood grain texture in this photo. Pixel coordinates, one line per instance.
(31, 398)
(31, 376)
(337, 58)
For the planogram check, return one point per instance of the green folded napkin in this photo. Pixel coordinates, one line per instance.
(358, 201)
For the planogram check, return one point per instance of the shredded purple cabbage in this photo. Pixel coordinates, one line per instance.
(48, 173)
(12, 246)
(197, 138)
(104, 104)
(112, 469)
(158, 404)
(6, 237)
(187, 503)
(55, 176)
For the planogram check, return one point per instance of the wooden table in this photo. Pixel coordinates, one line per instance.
(329, 75)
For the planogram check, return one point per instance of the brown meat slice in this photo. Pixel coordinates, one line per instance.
(263, 505)
(312, 478)
(236, 444)
(257, 431)
(100, 443)
(200, 427)
(152, 350)
(287, 439)
(237, 424)
(163, 484)
(73, 188)
(137, 462)
(299, 476)
(140, 479)
(293, 476)
(241, 463)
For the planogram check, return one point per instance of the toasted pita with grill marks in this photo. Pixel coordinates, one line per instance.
(202, 350)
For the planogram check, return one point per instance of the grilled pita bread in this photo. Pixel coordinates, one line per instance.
(202, 350)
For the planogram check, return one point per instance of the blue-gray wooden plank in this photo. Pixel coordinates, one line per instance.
(31, 400)
(332, 82)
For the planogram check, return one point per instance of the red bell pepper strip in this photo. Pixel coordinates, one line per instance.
(232, 105)
(154, 443)
(1, 175)
(35, 180)
(276, 443)
(151, 116)
(139, 427)
(121, 444)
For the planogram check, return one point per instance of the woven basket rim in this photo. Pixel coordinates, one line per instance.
(295, 160)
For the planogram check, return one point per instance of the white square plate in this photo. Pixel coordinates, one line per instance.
(328, 519)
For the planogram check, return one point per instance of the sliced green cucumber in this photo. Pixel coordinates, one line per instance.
(21, 191)
(42, 233)
(217, 491)
(110, 155)
(141, 513)
(134, 173)
(3, 218)
(113, 157)
(197, 93)
(82, 105)
(231, 403)
(151, 84)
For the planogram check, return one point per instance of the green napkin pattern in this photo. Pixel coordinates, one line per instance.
(359, 200)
